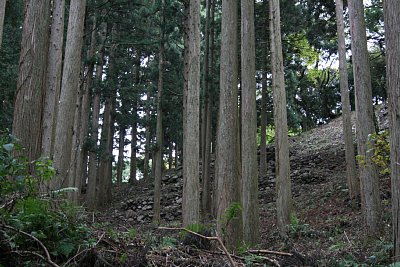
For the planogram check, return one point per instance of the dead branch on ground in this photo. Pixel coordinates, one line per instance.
(205, 237)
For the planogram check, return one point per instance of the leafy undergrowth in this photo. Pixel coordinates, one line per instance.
(326, 228)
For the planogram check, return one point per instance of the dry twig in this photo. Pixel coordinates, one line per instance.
(270, 252)
(47, 258)
(205, 237)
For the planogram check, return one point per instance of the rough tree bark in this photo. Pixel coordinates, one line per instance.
(229, 217)
(69, 90)
(121, 148)
(28, 107)
(392, 39)
(133, 163)
(53, 78)
(191, 187)
(81, 125)
(352, 179)
(206, 124)
(282, 166)
(263, 124)
(369, 181)
(93, 160)
(147, 139)
(263, 128)
(2, 14)
(107, 133)
(251, 217)
(159, 128)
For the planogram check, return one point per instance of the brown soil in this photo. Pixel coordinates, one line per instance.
(327, 229)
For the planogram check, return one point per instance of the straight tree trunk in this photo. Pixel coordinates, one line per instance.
(28, 107)
(263, 128)
(186, 29)
(210, 136)
(121, 147)
(93, 158)
(133, 163)
(110, 146)
(107, 133)
(147, 142)
(105, 157)
(251, 217)
(176, 155)
(170, 156)
(158, 155)
(191, 186)
(352, 179)
(392, 39)
(206, 124)
(69, 90)
(229, 217)
(263, 124)
(53, 78)
(369, 181)
(2, 14)
(81, 125)
(282, 166)
(81, 172)
(72, 180)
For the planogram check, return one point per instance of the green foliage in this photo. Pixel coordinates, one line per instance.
(232, 212)
(195, 227)
(12, 171)
(61, 233)
(9, 57)
(379, 142)
(251, 259)
(18, 175)
(59, 229)
(298, 229)
(378, 145)
(168, 242)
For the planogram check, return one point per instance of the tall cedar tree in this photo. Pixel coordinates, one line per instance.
(158, 157)
(370, 199)
(69, 91)
(134, 131)
(91, 199)
(2, 15)
(251, 218)
(191, 187)
(28, 106)
(264, 95)
(147, 138)
(206, 119)
(392, 30)
(352, 179)
(53, 79)
(83, 124)
(228, 198)
(283, 183)
(107, 133)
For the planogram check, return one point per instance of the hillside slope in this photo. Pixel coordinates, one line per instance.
(326, 229)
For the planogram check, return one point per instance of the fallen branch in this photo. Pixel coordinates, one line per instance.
(205, 237)
(273, 261)
(48, 258)
(270, 252)
(78, 254)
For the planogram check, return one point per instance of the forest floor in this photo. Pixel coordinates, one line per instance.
(326, 231)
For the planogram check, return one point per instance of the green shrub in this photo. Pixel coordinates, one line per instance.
(378, 144)
(25, 216)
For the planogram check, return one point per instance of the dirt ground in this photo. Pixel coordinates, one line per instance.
(327, 229)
